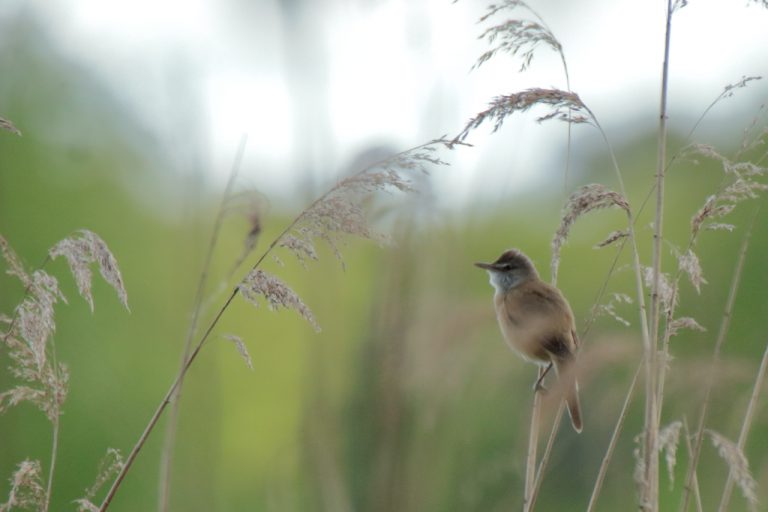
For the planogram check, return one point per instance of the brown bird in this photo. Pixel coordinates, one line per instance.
(536, 321)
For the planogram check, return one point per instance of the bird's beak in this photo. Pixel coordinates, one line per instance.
(485, 266)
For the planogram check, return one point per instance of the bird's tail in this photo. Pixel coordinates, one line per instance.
(571, 392)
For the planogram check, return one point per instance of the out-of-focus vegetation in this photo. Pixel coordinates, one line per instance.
(407, 399)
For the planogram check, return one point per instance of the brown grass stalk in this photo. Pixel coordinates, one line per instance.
(725, 324)
(533, 444)
(534, 494)
(745, 427)
(352, 225)
(649, 495)
(166, 458)
(696, 492)
(614, 440)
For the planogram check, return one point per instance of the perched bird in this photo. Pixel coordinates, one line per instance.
(536, 321)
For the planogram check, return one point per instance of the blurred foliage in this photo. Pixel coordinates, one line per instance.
(407, 400)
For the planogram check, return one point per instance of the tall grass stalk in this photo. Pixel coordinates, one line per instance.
(533, 444)
(746, 425)
(725, 324)
(603, 471)
(649, 495)
(696, 492)
(327, 216)
(166, 458)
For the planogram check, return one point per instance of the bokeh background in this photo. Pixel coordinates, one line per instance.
(131, 114)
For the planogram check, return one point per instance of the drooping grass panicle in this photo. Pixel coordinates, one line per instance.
(564, 106)
(667, 292)
(517, 37)
(340, 212)
(109, 466)
(7, 125)
(669, 439)
(639, 472)
(684, 322)
(612, 238)
(27, 490)
(83, 249)
(688, 262)
(584, 200)
(15, 267)
(300, 247)
(241, 349)
(609, 308)
(746, 425)
(277, 294)
(738, 464)
(43, 381)
(739, 185)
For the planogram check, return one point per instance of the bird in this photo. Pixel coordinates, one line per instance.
(536, 321)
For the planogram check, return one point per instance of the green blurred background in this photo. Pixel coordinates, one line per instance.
(407, 400)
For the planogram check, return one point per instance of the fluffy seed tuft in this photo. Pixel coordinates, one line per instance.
(110, 465)
(565, 106)
(5, 124)
(584, 200)
(738, 465)
(277, 294)
(613, 237)
(689, 263)
(27, 490)
(83, 249)
(684, 322)
(669, 439)
(241, 349)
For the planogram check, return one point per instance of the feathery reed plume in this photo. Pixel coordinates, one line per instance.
(669, 439)
(340, 211)
(612, 238)
(564, 106)
(609, 308)
(27, 490)
(517, 37)
(332, 215)
(584, 200)
(737, 464)
(109, 466)
(81, 251)
(688, 263)
(28, 336)
(746, 425)
(241, 349)
(684, 322)
(666, 292)
(277, 294)
(741, 185)
(5, 124)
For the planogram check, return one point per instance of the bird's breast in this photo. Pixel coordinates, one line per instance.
(522, 332)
